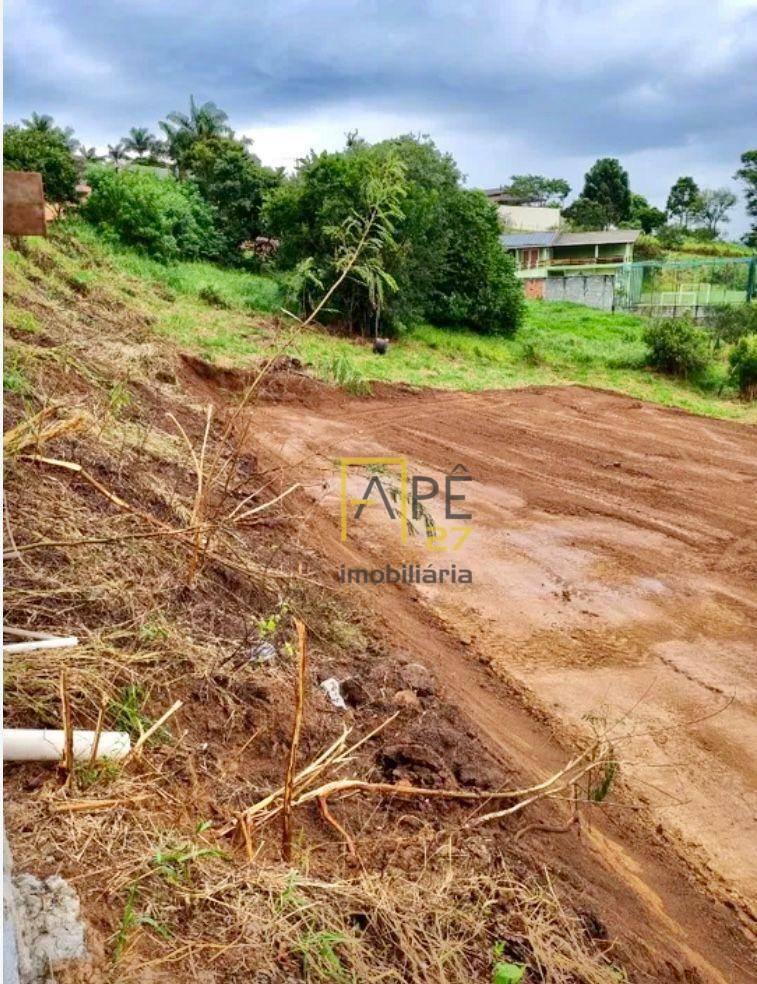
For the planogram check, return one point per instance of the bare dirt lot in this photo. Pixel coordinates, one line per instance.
(613, 554)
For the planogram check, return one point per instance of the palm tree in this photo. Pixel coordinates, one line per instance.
(140, 140)
(183, 129)
(117, 153)
(41, 122)
(84, 157)
(44, 123)
(89, 154)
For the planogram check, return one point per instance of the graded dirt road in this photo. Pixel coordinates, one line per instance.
(614, 554)
(614, 563)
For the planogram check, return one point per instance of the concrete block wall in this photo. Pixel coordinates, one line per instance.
(595, 290)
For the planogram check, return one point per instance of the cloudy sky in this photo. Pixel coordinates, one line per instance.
(507, 86)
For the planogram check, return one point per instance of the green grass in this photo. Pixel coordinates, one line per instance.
(227, 289)
(214, 312)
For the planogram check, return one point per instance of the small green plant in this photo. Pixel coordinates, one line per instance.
(88, 775)
(599, 792)
(153, 628)
(14, 380)
(532, 356)
(743, 362)
(132, 918)
(677, 346)
(267, 625)
(119, 398)
(172, 861)
(320, 959)
(128, 716)
(345, 373)
(17, 319)
(505, 972)
(126, 710)
(213, 296)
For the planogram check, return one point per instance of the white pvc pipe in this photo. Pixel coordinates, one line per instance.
(35, 644)
(36, 745)
(37, 640)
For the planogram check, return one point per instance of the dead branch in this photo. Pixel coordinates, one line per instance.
(299, 706)
(68, 730)
(140, 742)
(98, 732)
(331, 819)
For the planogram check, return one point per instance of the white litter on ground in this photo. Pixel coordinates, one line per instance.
(334, 693)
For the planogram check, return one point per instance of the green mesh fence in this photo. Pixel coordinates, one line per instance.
(688, 286)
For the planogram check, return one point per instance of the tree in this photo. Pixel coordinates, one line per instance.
(44, 123)
(442, 259)
(714, 207)
(86, 157)
(182, 130)
(46, 151)
(748, 174)
(538, 190)
(41, 122)
(234, 181)
(645, 216)
(117, 152)
(140, 141)
(476, 285)
(606, 183)
(684, 201)
(586, 215)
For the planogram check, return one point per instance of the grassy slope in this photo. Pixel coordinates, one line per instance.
(210, 310)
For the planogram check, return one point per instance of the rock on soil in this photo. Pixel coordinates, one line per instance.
(49, 930)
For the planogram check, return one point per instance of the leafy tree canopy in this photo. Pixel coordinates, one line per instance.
(645, 216)
(182, 130)
(684, 200)
(538, 190)
(715, 204)
(606, 183)
(141, 142)
(748, 174)
(422, 253)
(586, 215)
(44, 150)
(234, 181)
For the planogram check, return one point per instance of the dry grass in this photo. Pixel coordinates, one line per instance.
(138, 521)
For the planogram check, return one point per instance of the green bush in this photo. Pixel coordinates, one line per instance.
(45, 151)
(648, 248)
(731, 322)
(168, 219)
(677, 346)
(743, 361)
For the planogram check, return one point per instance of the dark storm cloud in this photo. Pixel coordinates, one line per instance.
(564, 77)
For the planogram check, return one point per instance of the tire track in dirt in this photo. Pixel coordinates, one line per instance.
(589, 586)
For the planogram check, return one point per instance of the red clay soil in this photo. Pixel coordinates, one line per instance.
(613, 555)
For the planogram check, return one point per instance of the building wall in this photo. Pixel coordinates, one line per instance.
(529, 218)
(593, 290)
(533, 288)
